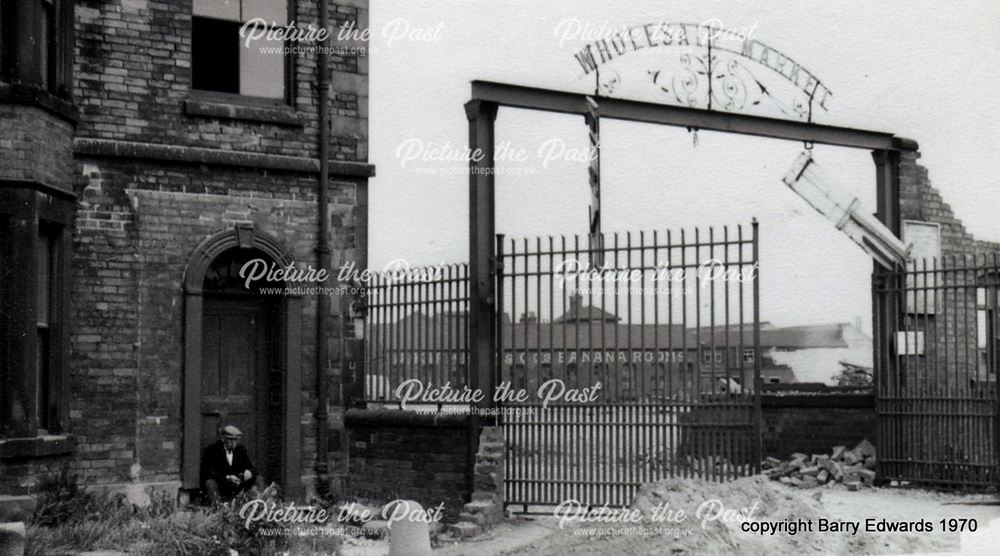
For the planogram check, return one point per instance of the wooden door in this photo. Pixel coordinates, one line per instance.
(235, 371)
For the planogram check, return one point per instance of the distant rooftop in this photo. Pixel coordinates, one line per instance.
(590, 327)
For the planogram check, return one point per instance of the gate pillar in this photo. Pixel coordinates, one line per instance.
(482, 255)
(887, 188)
(885, 312)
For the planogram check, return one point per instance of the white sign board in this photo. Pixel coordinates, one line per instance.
(925, 238)
(834, 201)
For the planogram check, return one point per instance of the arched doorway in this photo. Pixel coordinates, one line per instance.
(241, 371)
(242, 355)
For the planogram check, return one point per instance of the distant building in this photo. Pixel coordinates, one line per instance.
(819, 351)
(634, 362)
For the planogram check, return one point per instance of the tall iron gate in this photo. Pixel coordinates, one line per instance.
(659, 347)
(936, 372)
(416, 328)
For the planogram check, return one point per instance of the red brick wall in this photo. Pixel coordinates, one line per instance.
(20, 476)
(813, 424)
(952, 364)
(402, 454)
(133, 74)
(35, 146)
(955, 323)
(139, 220)
(139, 223)
(919, 200)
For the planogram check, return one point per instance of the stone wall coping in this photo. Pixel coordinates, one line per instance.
(37, 446)
(402, 418)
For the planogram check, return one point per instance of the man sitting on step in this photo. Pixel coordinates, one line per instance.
(226, 469)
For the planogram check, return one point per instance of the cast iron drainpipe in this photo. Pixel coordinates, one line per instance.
(323, 251)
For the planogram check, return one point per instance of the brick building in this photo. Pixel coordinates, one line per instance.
(147, 151)
(951, 300)
(648, 362)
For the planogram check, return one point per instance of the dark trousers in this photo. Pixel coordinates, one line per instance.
(213, 493)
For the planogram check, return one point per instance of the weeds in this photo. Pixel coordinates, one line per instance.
(71, 518)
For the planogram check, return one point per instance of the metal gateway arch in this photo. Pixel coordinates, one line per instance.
(679, 368)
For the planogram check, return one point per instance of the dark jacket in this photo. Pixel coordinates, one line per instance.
(215, 466)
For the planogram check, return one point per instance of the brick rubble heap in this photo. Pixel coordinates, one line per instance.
(853, 468)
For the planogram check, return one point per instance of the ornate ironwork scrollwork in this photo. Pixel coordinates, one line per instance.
(708, 67)
(608, 81)
(731, 87)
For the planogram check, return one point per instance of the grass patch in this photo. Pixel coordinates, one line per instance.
(70, 518)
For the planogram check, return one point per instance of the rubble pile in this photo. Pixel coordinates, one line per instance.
(853, 468)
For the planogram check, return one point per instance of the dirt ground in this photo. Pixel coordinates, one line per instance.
(775, 503)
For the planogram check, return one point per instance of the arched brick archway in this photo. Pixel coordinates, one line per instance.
(289, 355)
(240, 236)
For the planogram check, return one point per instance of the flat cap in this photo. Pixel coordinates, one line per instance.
(231, 431)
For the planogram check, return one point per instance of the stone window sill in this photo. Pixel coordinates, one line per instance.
(38, 446)
(235, 109)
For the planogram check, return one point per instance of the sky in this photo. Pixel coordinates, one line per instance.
(921, 72)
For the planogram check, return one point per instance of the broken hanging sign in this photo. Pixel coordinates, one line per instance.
(844, 210)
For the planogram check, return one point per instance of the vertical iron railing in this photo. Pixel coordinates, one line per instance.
(416, 328)
(936, 372)
(665, 333)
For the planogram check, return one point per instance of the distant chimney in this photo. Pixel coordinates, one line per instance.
(575, 304)
(529, 317)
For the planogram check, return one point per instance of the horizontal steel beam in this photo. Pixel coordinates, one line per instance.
(516, 96)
